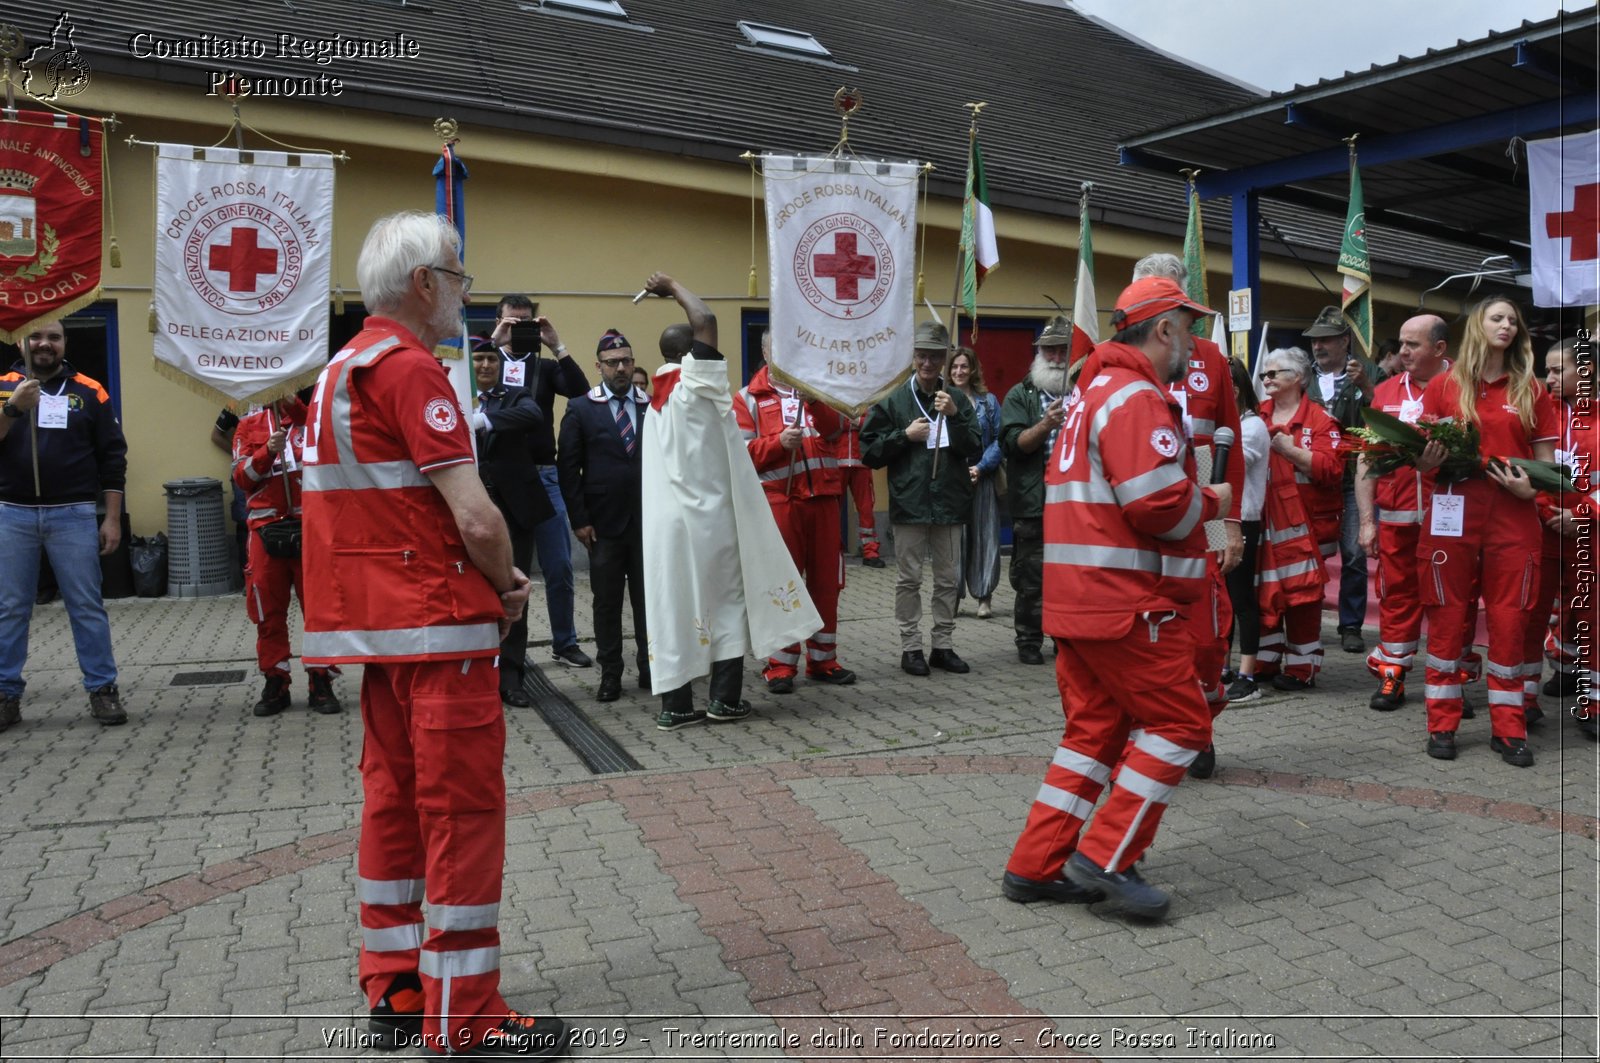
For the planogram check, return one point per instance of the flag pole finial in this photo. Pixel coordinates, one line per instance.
(847, 101)
(1191, 175)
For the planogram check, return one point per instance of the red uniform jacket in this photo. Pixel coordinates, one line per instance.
(261, 474)
(1322, 491)
(763, 412)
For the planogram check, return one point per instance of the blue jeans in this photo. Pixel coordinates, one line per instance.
(1353, 562)
(70, 537)
(552, 543)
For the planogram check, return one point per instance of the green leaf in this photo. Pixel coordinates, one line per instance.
(1550, 476)
(1393, 429)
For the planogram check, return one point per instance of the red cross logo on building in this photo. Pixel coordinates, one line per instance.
(1581, 224)
(845, 267)
(242, 259)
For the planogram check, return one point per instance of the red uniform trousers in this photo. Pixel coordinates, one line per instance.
(1209, 622)
(1565, 639)
(431, 770)
(1498, 548)
(1140, 686)
(1399, 599)
(1546, 607)
(1294, 645)
(268, 583)
(858, 480)
(810, 529)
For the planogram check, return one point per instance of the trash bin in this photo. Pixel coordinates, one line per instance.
(198, 563)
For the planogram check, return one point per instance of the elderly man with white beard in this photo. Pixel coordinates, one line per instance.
(1029, 420)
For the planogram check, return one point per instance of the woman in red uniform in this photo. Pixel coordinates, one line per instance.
(1486, 528)
(1304, 496)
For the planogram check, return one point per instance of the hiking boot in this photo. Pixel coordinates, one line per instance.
(572, 657)
(322, 698)
(1391, 693)
(1127, 887)
(1030, 655)
(518, 1037)
(396, 1019)
(1204, 765)
(1442, 745)
(1562, 685)
(10, 710)
(948, 661)
(667, 720)
(105, 705)
(1513, 751)
(1350, 640)
(1243, 689)
(722, 712)
(780, 684)
(1027, 890)
(836, 676)
(274, 697)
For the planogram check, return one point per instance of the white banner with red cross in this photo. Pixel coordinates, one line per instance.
(842, 253)
(243, 249)
(1564, 221)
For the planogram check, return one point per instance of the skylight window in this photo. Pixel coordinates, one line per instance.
(797, 41)
(597, 8)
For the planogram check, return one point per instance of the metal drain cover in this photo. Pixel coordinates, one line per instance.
(208, 679)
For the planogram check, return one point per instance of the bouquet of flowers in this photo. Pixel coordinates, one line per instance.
(1388, 443)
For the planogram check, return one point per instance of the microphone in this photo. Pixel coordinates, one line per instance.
(1221, 443)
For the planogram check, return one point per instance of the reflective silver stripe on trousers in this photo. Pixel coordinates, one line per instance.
(1503, 671)
(1162, 749)
(393, 938)
(363, 476)
(463, 916)
(1079, 764)
(1439, 664)
(1442, 690)
(1399, 516)
(823, 638)
(402, 642)
(1125, 559)
(1071, 804)
(1505, 697)
(459, 963)
(389, 890)
(786, 658)
(1138, 783)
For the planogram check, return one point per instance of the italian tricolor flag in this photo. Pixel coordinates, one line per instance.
(979, 253)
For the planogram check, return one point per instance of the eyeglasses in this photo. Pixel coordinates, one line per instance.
(466, 278)
(615, 363)
(1271, 374)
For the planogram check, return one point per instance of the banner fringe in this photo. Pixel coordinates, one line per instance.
(70, 307)
(849, 411)
(268, 394)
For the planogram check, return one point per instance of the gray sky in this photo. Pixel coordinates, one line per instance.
(1273, 44)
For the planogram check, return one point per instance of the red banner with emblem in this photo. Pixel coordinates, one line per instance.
(51, 184)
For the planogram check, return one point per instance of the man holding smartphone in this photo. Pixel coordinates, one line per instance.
(518, 333)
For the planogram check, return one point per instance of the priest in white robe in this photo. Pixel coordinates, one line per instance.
(718, 579)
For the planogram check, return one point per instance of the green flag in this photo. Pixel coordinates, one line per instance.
(1194, 260)
(1357, 266)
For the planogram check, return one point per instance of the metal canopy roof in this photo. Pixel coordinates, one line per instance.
(1436, 145)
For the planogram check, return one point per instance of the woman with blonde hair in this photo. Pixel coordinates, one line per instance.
(1484, 531)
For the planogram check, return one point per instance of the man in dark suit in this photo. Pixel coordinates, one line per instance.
(505, 422)
(598, 462)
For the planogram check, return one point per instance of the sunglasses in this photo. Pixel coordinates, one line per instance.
(1272, 374)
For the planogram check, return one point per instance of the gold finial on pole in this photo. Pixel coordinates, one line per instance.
(1191, 175)
(1351, 140)
(847, 102)
(446, 129)
(975, 108)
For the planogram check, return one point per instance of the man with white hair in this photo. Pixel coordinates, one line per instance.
(1030, 420)
(409, 571)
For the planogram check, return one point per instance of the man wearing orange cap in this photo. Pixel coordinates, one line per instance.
(1124, 561)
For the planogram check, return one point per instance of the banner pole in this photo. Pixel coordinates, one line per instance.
(33, 421)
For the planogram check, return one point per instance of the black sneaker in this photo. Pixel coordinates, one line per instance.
(838, 676)
(722, 712)
(572, 657)
(1442, 745)
(948, 661)
(274, 696)
(1027, 890)
(667, 720)
(1350, 640)
(518, 1037)
(872, 562)
(1243, 689)
(1029, 655)
(1513, 751)
(396, 1020)
(322, 698)
(1135, 894)
(1391, 693)
(1204, 765)
(1562, 685)
(913, 663)
(1287, 682)
(781, 684)
(105, 705)
(10, 710)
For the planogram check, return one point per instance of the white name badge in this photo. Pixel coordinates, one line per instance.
(791, 409)
(514, 374)
(1449, 515)
(52, 411)
(1410, 410)
(939, 434)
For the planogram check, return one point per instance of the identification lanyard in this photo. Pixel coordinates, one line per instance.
(940, 435)
(793, 412)
(53, 408)
(514, 373)
(1410, 406)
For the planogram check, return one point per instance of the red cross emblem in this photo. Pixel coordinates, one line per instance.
(1581, 224)
(242, 259)
(845, 267)
(861, 266)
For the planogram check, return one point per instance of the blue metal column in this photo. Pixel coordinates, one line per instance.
(1247, 262)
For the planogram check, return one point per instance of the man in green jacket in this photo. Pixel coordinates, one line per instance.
(926, 436)
(1032, 414)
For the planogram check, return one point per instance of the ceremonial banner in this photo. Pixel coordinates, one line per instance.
(979, 251)
(1564, 226)
(1085, 311)
(1356, 265)
(242, 266)
(841, 247)
(50, 189)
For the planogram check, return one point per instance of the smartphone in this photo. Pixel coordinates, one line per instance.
(525, 337)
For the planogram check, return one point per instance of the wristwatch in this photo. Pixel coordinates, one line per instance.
(12, 411)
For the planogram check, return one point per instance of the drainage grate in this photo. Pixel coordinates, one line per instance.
(208, 679)
(599, 752)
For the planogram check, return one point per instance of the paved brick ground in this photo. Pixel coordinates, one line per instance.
(817, 883)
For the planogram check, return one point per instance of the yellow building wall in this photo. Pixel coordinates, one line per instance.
(577, 227)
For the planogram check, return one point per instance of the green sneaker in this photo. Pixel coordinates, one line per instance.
(667, 720)
(721, 712)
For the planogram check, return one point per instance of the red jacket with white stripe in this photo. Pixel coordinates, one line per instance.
(388, 578)
(260, 473)
(1122, 512)
(763, 412)
(1322, 489)
(1402, 495)
(1206, 394)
